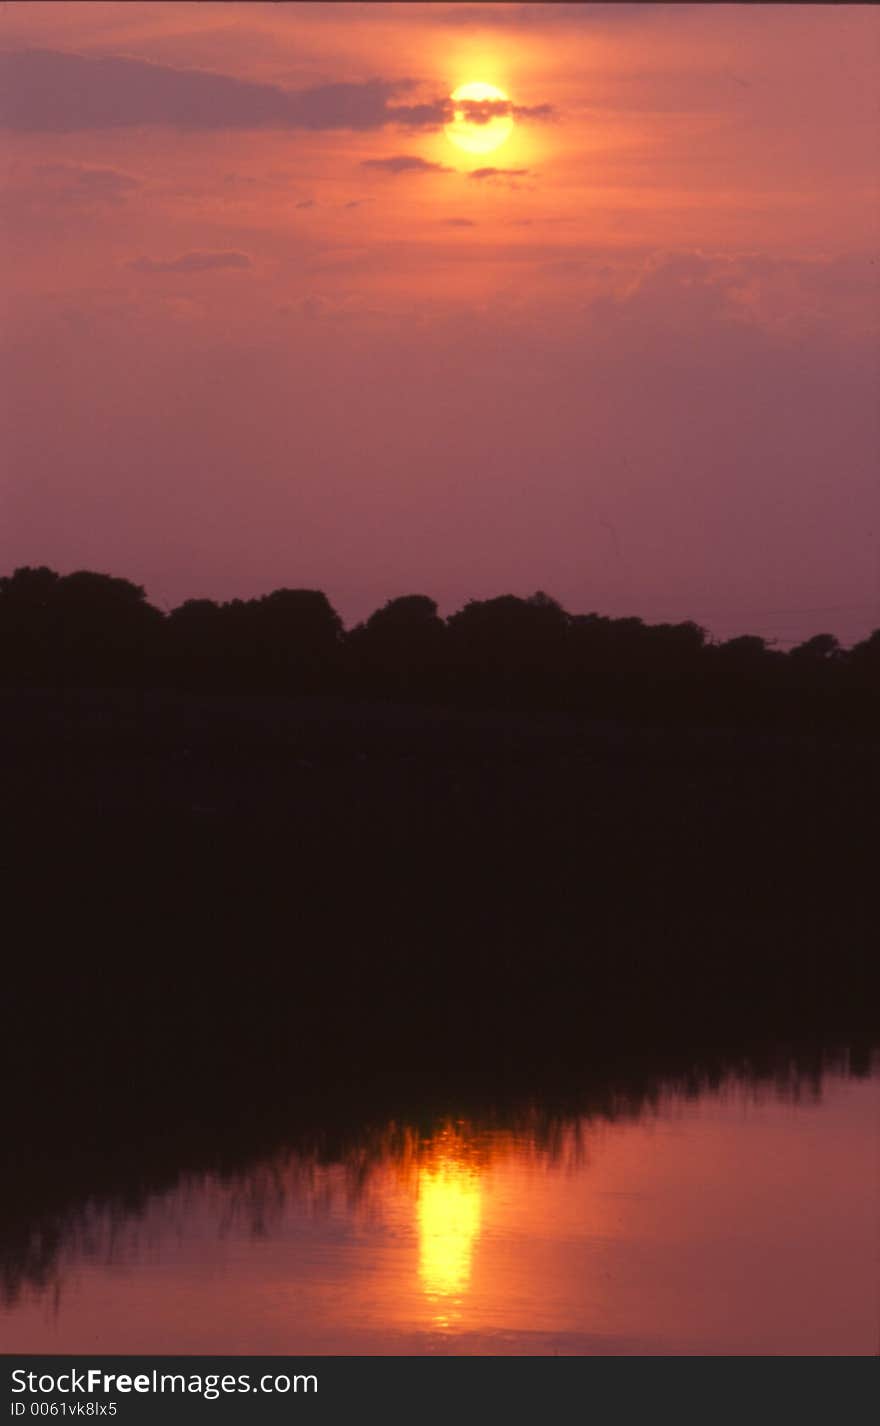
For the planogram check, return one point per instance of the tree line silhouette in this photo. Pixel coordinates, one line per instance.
(376, 884)
(89, 629)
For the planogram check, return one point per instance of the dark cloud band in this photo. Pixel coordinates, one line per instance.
(45, 91)
(481, 173)
(405, 163)
(192, 262)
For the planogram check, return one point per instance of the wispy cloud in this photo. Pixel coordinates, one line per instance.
(437, 112)
(405, 163)
(483, 111)
(81, 184)
(525, 18)
(192, 262)
(481, 173)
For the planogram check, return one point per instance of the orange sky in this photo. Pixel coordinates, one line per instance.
(264, 325)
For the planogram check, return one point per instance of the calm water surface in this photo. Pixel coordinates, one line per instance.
(740, 1220)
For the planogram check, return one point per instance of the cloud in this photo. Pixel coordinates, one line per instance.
(533, 111)
(405, 163)
(46, 91)
(430, 115)
(458, 223)
(483, 111)
(438, 112)
(787, 297)
(48, 198)
(524, 17)
(306, 203)
(80, 182)
(192, 262)
(35, 195)
(481, 173)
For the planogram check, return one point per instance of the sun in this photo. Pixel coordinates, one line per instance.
(473, 132)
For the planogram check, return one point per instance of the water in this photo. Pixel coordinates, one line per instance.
(741, 1218)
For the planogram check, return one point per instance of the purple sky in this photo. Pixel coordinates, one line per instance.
(266, 324)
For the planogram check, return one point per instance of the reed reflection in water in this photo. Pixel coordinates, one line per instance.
(735, 1219)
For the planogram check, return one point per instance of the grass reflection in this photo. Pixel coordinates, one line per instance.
(343, 1162)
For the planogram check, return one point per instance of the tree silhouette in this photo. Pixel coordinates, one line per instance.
(196, 643)
(26, 649)
(401, 647)
(81, 627)
(745, 653)
(821, 648)
(91, 628)
(514, 646)
(296, 637)
(863, 664)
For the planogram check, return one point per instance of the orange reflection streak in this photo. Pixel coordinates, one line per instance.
(448, 1211)
(446, 1174)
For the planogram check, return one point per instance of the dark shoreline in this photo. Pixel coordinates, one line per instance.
(238, 923)
(261, 871)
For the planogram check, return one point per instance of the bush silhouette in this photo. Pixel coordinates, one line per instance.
(401, 648)
(79, 628)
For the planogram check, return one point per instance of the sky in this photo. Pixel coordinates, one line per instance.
(265, 323)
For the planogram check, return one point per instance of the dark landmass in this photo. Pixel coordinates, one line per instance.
(349, 887)
(95, 630)
(282, 881)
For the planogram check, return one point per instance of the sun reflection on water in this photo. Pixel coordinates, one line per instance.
(449, 1197)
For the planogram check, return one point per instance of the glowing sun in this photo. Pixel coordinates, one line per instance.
(477, 132)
